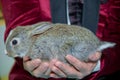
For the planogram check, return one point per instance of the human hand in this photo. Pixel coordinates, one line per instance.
(36, 67)
(78, 69)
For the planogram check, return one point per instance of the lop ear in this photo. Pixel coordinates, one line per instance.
(40, 28)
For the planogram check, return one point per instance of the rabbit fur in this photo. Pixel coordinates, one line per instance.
(46, 41)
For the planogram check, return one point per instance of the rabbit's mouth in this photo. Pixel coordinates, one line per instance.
(7, 52)
(16, 56)
(19, 55)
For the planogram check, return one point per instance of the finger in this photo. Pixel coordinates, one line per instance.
(32, 64)
(51, 64)
(58, 72)
(75, 62)
(68, 70)
(53, 75)
(83, 67)
(40, 71)
(95, 57)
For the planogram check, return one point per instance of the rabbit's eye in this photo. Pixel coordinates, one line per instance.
(15, 41)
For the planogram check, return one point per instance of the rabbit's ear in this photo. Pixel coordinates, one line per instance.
(105, 45)
(40, 28)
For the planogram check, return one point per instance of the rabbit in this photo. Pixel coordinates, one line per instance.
(46, 40)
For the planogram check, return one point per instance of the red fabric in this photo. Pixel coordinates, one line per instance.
(109, 30)
(16, 13)
(21, 12)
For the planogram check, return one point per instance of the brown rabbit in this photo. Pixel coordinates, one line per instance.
(46, 41)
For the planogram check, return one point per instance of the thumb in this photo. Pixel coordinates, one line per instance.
(95, 57)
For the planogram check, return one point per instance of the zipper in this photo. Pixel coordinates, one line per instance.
(67, 13)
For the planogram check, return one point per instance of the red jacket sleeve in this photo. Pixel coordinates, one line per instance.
(20, 12)
(109, 30)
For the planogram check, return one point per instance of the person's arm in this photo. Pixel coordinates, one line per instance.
(21, 12)
(109, 30)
